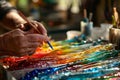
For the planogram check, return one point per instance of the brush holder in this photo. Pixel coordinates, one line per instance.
(114, 37)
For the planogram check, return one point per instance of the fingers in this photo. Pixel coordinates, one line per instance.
(40, 27)
(34, 45)
(30, 40)
(15, 32)
(29, 47)
(34, 40)
(27, 51)
(37, 38)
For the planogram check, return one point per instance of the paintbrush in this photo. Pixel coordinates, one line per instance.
(20, 13)
(116, 16)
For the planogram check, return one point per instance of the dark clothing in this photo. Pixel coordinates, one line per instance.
(5, 7)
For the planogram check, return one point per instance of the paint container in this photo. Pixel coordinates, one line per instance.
(114, 37)
(86, 28)
(106, 27)
(72, 33)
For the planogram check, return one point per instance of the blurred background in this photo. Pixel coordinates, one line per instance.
(60, 16)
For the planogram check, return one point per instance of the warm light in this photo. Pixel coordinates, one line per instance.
(35, 1)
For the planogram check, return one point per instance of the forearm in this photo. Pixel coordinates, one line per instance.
(9, 17)
(11, 20)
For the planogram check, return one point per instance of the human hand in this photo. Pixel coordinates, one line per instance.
(19, 43)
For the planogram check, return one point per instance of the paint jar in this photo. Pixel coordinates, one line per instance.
(96, 33)
(86, 28)
(106, 27)
(114, 37)
(72, 33)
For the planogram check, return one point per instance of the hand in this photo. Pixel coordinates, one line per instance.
(19, 43)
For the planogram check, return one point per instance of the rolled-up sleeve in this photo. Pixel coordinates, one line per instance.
(5, 7)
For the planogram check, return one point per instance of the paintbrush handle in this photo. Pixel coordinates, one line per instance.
(90, 17)
(85, 13)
